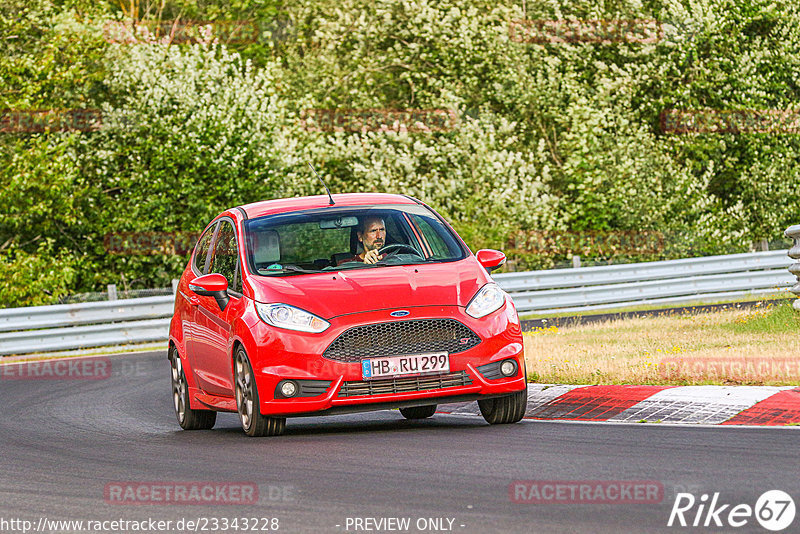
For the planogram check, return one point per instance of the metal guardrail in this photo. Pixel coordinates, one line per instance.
(709, 279)
(84, 325)
(793, 232)
(78, 337)
(59, 315)
(637, 272)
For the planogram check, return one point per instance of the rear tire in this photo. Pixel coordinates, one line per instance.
(188, 418)
(418, 412)
(247, 404)
(506, 409)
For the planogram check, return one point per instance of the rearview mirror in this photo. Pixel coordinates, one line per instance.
(338, 222)
(212, 285)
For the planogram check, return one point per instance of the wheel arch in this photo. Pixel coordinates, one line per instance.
(242, 337)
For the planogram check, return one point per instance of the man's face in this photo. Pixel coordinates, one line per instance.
(374, 235)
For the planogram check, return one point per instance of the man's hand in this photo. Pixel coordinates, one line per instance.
(372, 256)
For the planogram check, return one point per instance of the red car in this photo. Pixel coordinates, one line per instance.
(326, 305)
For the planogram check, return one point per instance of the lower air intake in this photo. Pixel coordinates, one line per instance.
(382, 386)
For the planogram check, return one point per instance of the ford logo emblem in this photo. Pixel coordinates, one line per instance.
(400, 313)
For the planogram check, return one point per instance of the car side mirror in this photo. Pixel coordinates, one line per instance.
(491, 259)
(212, 285)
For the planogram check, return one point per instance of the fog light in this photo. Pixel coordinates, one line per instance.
(508, 368)
(288, 389)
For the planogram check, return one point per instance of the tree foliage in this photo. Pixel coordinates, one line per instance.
(549, 137)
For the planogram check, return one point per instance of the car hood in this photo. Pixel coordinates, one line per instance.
(335, 293)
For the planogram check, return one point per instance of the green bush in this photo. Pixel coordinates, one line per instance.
(556, 137)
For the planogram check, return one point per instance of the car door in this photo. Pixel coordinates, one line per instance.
(213, 330)
(186, 300)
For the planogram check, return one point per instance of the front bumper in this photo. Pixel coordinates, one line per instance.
(298, 357)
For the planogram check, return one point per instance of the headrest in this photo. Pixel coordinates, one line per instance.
(267, 247)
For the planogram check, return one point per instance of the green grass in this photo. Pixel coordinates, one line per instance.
(756, 345)
(774, 319)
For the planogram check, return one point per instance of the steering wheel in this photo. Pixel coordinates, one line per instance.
(399, 246)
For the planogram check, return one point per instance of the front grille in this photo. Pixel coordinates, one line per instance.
(360, 388)
(401, 337)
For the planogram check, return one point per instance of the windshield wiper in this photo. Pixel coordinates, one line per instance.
(401, 259)
(288, 269)
(349, 265)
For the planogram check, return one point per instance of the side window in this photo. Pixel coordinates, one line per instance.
(226, 255)
(393, 232)
(237, 283)
(437, 245)
(201, 250)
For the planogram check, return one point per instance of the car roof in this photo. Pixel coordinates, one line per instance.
(283, 205)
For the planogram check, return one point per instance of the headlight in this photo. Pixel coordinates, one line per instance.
(285, 316)
(488, 299)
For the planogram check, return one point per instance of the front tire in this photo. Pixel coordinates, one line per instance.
(504, 410)
(418, 412)
(188, 418)
(247, 404)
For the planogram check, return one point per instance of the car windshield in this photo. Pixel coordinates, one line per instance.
(333, 238)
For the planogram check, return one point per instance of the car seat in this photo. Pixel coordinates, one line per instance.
(266, 248)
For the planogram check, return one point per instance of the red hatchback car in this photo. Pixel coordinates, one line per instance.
(301, 306)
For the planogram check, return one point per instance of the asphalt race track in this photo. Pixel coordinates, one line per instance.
(63, 441)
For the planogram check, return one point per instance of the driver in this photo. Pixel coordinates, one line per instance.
(371, 233)
(372, 236)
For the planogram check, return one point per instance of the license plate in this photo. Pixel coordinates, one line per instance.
(411, 365)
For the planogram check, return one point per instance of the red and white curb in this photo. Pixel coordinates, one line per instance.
(708, 405)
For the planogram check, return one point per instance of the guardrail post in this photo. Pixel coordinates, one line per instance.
(576, 261)
(112, 292)
(793, 232)
(174, 286)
